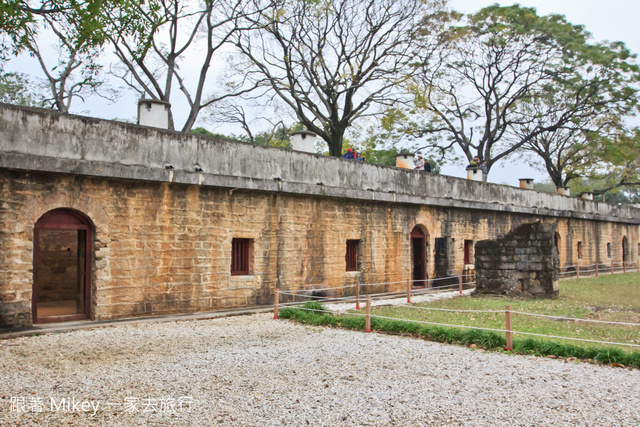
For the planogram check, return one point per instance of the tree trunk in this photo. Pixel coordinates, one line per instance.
(335, 143)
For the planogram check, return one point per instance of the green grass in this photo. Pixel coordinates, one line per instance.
(610, 298)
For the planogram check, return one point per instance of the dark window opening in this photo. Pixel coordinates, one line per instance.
(579, 250)
(351, 257)
(625, 249)
(468, 245)
(240, 257)
(608, 250)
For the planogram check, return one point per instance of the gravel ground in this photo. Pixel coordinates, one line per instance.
(252, 370)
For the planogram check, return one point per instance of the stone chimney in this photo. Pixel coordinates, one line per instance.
(303, 140)
(526, 183)
(154, 113)
(587, 195)
(405, 161)
(565, 191)
(474, 173)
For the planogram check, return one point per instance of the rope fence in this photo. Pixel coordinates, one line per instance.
(596, 269)
(508, 331)
(425, 286)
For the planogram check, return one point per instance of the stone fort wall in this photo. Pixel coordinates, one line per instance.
(163, 229)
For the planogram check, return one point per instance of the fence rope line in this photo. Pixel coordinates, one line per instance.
(410, 321)
(323, 289)
(378, 284)
(484, 329)
(364, 295)
(451, 309)
(573, 318)
(426, 291)
(353, 298)
(576, 339)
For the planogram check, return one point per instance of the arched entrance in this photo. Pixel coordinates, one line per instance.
(61, 267)
(419, 257)
(625, 249)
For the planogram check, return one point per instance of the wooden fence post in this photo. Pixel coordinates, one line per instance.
(408, 291)
(460, 282)
(596, 268)
(577, 271)
(624, 267)
(507, 314)
(368, 315)
(638, 264)
(611, 266)
(275, 305)
(358, 296)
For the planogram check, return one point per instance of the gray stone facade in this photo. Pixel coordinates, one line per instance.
(523, 263)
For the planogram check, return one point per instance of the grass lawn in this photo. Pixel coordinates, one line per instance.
(609, 297)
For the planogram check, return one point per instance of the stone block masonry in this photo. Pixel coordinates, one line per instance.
(523, 263)
(162, 238)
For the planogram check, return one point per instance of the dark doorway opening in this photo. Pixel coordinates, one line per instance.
(625, 249)
(61, 267)
(419, 251)
(441, 257)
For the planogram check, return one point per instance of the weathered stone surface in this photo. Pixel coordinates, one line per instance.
(162, 238)
(534, 272)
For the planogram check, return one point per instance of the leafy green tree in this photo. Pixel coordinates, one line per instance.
(77, 29)
(16, 88)
(20, 21)
(200, 131)
(477, 89)
(76, 73)
(546, 186)
(618, 162)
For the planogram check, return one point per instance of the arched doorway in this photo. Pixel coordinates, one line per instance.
(61, 267)
(625, 249)
(419, 257)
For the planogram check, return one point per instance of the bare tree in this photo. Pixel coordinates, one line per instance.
(231, 112)
(178, 32)
(477, 92)
(331, 62)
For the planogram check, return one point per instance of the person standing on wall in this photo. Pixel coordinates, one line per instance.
(348, 154)
(420, 163)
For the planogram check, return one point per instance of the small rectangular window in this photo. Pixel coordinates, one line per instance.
(240, 257)
(351, 257)
(608, 250)
(579, 250)
(468, 245)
